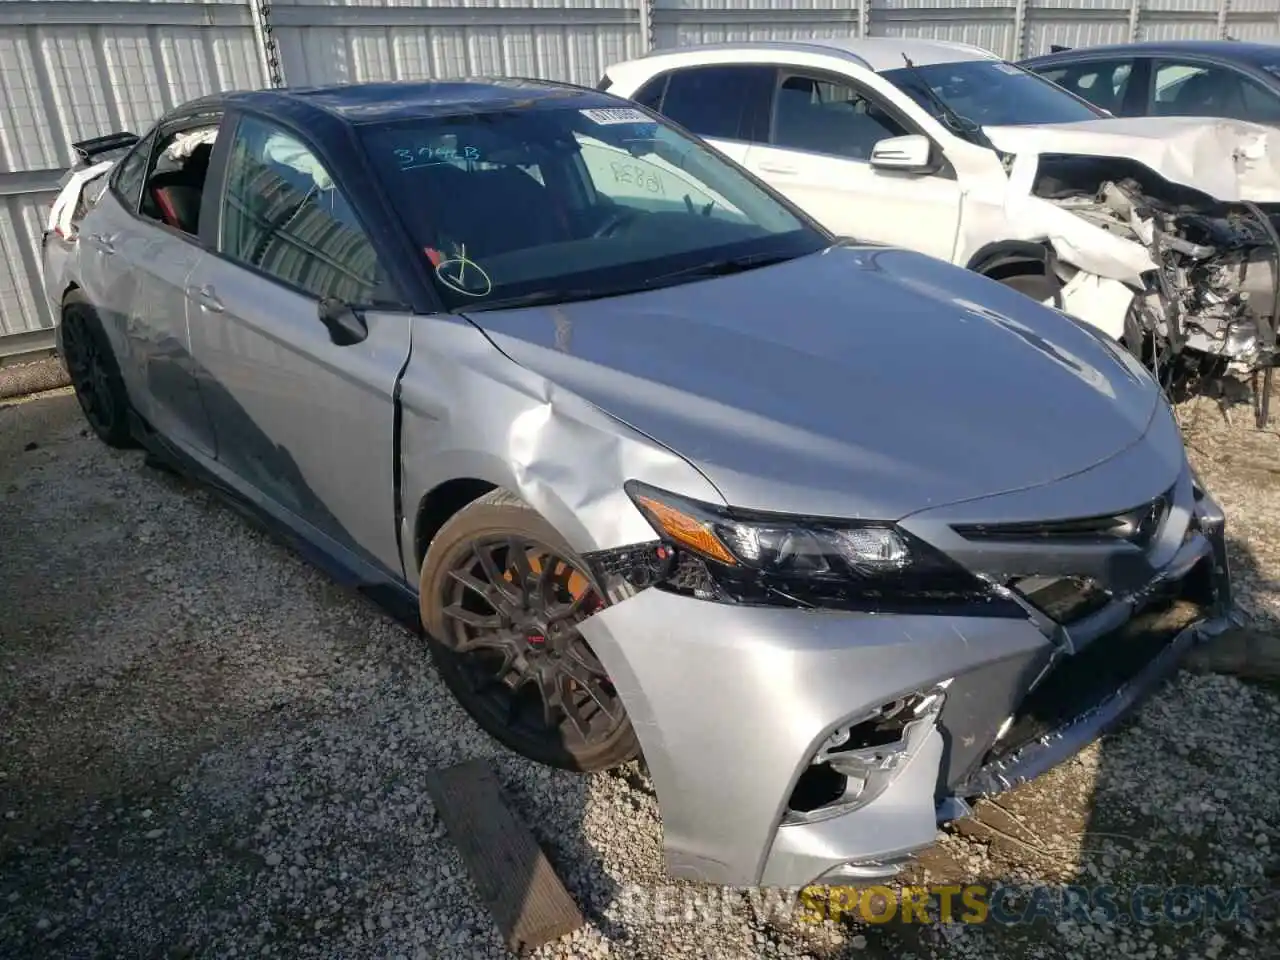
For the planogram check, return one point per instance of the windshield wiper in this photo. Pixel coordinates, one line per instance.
(711, 268)
(721, 268)
(962, 126)
(539, 298)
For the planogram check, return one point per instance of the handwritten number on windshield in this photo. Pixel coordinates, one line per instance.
(634, 173)
(411, 158)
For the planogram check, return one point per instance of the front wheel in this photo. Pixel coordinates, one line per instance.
(502, 595)
(95, 375)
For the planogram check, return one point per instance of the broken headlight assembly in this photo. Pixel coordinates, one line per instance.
(733, 556)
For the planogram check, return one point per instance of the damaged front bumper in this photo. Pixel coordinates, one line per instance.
(790, 746)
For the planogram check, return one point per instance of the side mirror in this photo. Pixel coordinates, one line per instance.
(910, 154)
(346, 327)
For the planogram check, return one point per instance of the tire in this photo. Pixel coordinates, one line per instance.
(507, 662)
(95, 374)
(1037, 286)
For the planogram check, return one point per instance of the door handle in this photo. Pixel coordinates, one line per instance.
(778, 168)
(103, 242)
(206, 297)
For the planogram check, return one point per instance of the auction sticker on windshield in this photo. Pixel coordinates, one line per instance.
(610, 115)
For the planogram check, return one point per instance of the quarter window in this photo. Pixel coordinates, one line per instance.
(831, 118)
(131, 171)
(650, 95)
(283, 215)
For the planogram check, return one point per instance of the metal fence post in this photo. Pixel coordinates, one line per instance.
(1223, 7)
(268, 49)
(1135, 19)
(646, 25)
(864, 17)
(1020, 30)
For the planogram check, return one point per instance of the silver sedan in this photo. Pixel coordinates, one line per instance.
(834, 536)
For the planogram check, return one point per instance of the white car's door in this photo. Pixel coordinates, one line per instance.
(818, 154)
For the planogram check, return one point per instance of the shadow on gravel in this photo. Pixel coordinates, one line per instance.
(261, 740)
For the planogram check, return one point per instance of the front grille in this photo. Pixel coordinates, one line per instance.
(1138, 526)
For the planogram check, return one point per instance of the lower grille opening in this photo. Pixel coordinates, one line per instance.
(1083, 680)
(857, 762)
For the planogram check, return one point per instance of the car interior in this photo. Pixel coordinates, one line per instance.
(1104, 86)
(478, 205)
(175, 186)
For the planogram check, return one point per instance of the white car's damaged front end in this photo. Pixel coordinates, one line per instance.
(1163, 234)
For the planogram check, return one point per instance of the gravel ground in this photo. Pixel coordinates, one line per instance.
(207, 749)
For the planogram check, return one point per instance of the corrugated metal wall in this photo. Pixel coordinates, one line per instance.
(71, 69)
(407, 39)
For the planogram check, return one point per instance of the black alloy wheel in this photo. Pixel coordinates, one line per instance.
(95, 376)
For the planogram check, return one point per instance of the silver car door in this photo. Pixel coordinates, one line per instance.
(107, 255)
(150, 250)
(302, 420)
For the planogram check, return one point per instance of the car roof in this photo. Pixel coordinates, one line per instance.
(1243, 51)
(382, 101)
(874, 53)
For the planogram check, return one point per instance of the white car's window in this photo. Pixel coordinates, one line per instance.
(831, 118)
(552, 200)
(720, 102)
(283, 215)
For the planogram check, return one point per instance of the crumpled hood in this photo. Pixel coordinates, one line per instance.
(1230, 160)
(858, 382)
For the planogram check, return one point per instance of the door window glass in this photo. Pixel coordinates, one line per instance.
(1260, 104)
(283, 215)
(1102, 83)
(718, 101)
(1196, 90)
(831, 118)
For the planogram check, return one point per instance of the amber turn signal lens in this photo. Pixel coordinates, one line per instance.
(685, 529)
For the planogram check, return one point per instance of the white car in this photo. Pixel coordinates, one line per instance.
(1150, 229)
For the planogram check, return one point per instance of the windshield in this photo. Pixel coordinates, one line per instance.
(558, 203)
(989, 93)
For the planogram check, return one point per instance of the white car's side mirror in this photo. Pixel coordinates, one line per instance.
(909, 154)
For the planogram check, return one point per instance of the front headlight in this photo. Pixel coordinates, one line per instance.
(736, 557)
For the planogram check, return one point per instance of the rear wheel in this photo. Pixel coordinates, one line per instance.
(95, 375)
(502, 595)
(1037, 286)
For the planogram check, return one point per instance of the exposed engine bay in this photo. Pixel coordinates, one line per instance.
(1208, 304)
